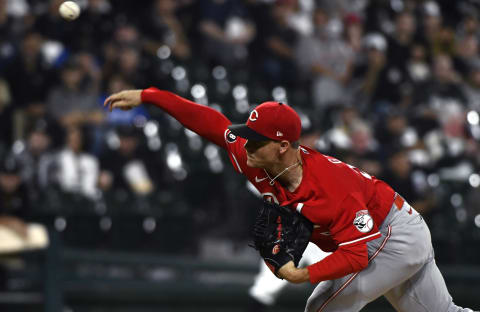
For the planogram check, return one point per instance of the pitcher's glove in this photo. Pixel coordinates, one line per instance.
(281, 235)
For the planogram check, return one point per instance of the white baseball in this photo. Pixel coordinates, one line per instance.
(69, 10)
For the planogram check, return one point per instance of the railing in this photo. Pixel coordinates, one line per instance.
(87, 278)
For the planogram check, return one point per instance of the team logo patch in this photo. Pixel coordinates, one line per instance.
(363, 221)
(231, 138)
(276, 249)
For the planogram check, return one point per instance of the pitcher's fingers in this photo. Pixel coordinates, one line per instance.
(107, 100)
(119, 104)
(112, 98)
(113, 104)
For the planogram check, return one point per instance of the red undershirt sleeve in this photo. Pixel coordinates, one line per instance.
(343, 261)
(203, 120)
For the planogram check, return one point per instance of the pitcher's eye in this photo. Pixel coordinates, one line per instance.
(254, 145)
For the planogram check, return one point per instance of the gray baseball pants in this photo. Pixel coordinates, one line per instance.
(401, 267)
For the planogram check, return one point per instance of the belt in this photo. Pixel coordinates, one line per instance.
(398, 201)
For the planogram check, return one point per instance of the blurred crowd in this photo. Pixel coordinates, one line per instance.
(390, 86)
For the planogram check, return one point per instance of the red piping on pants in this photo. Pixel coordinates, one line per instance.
(355, 275)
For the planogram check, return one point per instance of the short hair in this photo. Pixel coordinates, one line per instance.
(295, 144)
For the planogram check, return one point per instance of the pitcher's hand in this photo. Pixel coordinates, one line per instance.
(125, 100)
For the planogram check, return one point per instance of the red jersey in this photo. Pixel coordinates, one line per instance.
(346, 205)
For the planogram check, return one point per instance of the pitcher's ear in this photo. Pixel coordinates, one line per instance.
(284, 146)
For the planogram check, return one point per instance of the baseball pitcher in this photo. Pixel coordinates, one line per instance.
(379, 244)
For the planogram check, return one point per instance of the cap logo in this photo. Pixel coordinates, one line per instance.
(279, 134)
(253, 115)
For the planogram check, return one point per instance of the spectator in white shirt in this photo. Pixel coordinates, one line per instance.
(77, 170)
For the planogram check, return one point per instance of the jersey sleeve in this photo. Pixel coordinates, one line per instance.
(353, 223)
(236, 151)
(351, 228)
(345, 260)
(203, 120)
